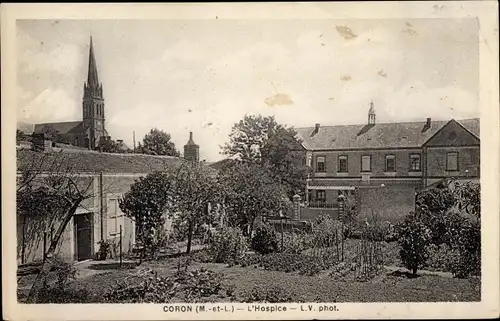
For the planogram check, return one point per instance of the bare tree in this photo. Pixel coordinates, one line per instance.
(48, 185)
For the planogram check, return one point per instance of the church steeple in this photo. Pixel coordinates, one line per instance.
(93, 104)
(92, 78)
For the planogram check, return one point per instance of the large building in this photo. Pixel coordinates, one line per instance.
(386, 162)
(92, 128)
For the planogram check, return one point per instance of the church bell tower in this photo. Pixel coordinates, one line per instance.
(93, 105)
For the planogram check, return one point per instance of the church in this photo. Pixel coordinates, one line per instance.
(90, 131)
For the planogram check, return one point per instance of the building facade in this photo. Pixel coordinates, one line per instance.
(386, 161)
(92, 128)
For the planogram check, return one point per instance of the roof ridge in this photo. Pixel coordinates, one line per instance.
(393, 123)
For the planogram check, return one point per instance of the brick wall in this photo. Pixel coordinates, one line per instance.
(313, 213)
(468, 159)
(387, 203)
(402, 162)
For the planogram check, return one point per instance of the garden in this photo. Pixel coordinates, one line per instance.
(421, 259)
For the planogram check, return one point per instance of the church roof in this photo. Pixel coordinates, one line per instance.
(60, 127)
(382, 135)
(93, 162)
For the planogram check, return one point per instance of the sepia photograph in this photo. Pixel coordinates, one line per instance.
(243, 165)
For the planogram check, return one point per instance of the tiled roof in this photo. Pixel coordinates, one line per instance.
(61, 127)
(383, 135)
(90, 161)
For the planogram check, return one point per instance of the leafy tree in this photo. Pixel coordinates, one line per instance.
(194, 187)
(19, 136)
(250, 191)
(262, 140)
(157, 142)
(414, 239)
(441, 208)
(146, 203)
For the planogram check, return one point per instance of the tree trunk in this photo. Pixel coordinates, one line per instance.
(23, 249)
(414, 270)
(190, 237)
(49, 261)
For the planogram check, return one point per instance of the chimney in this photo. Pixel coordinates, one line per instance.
(427, 125)
(317, 127)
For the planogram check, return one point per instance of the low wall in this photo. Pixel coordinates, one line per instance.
(311, 214)
(387, 203)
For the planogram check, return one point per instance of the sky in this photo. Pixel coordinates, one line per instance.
(205, 75)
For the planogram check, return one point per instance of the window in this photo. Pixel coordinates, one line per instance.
(320, 164)
(452, 161)
(342, 164)
(115, 218)
(390, 163)
(415, 163)
(366, 162)
(321, 196)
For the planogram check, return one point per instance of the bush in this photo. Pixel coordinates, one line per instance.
(249, 259)
(326, 231)
(227, 245)
(468, 245)
(265, 240)
(414, 238)
(441, 257)
(293, 243)
(64, 271)
(184, 285)
(55, 294)
(104, 249)
(270, 294)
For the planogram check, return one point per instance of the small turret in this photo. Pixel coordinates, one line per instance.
(371, 114)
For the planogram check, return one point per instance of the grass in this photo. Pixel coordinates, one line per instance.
(388, 287)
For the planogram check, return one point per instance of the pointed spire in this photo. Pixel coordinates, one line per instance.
(92, 79)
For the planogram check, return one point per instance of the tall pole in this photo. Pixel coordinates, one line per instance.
(101, 209)
(134, 140)
(120, 246)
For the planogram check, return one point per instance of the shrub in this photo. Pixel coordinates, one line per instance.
(441, 257)
(55, 294)
(186, 286)
(104, 249)
(293, 243)
(326, 231)
(265, 240)
(414, 238)
(271, 294)
(64, 271)
(249, 259)
(227, 245)
(468, 245)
